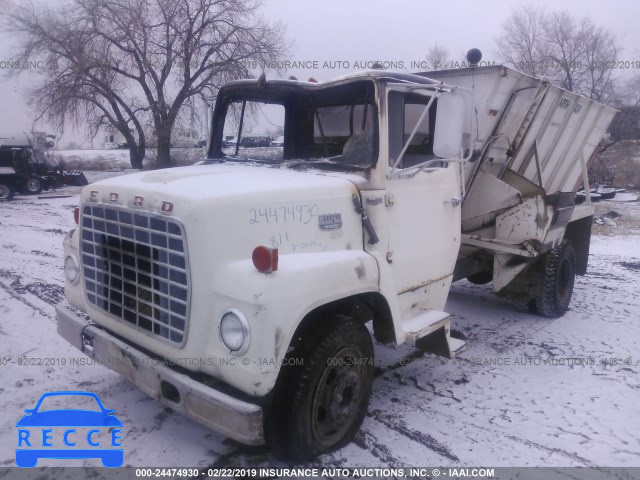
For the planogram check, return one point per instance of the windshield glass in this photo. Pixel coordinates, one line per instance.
(298, 125)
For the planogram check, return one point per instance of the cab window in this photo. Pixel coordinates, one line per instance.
(405, 113)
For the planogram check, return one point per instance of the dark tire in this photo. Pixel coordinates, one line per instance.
(559, 273)
(6, 191)
(319, 406)
(481, 278)
(33, 186)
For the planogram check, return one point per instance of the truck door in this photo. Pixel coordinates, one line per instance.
(423, 215)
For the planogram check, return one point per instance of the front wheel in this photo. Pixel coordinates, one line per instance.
(319, 405)
(557, 281)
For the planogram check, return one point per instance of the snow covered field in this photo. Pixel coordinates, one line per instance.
(528, 391)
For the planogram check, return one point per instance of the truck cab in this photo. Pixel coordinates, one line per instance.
(265, 264)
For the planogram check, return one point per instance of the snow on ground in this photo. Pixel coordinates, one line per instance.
(529, 391)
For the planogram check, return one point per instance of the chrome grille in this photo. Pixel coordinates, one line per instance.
(135, 268)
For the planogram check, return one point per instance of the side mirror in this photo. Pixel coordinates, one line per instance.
(450, 121)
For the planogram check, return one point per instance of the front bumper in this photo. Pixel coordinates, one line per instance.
(219, 411)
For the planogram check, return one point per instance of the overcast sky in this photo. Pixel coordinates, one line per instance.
(328, 32)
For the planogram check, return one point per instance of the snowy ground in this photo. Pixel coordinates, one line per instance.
(529, 391)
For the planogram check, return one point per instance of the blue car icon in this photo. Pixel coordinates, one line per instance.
(38, 421)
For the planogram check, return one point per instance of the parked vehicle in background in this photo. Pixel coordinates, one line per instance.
(229, 141)
(278, 142)
(255, 140)
(268, 263)
(16, 174)
(27, 167)
(181, 138)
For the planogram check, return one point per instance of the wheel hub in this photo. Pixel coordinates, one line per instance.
(33, 184)
(337, 398)
(346, 391)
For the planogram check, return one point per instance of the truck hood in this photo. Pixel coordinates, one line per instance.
(232, 208)
(225, 182)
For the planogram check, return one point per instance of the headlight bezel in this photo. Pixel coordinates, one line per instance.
(244, 327)
(76, 266)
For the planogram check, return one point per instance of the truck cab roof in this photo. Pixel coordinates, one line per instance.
(380, 75)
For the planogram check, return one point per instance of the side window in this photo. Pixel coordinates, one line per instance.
(339, 123)
(406, 114)
(346, 132)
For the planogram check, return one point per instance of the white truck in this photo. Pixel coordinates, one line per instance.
(244, 291)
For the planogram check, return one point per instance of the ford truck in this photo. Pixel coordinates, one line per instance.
(244, 291)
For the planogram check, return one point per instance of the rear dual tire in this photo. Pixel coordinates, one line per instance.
(557, 281)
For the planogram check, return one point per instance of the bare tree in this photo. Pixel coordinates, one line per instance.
(438, 57)
(136, 63)
(576, 55)
(601, 52)
(522, 42)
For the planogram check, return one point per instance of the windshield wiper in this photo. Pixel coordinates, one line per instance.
(232, 158)
(324, 161)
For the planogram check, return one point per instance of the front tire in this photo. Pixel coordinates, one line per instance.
(557, 281)
(319, 405)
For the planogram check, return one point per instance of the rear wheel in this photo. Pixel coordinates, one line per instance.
(557, 281)
(319, 405)
(6, 191)
(34, 186)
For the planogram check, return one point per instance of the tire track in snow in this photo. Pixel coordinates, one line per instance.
(10, 291)
(394, 423)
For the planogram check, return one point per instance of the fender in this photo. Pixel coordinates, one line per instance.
(275, 303)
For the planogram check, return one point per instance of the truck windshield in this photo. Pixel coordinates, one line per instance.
(298, 125)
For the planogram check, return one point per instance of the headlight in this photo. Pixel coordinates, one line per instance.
(71, 269)
(235, 332)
